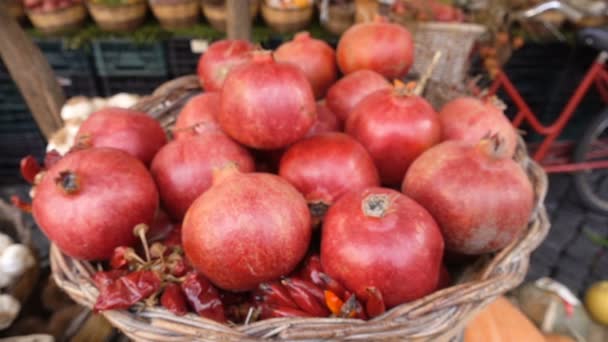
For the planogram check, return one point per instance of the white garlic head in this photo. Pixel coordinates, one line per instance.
(16, 259)
(5, 241)
(9, 310)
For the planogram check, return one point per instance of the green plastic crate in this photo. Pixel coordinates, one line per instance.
(121, 57)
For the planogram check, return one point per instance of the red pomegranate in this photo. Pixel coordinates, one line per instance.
(470, 119)
(198, 116)
(248, 228)
(326, 121)
(219, 59)
(266, 104)
(378, 237)
(345, 94)
(326, 166)
(90, 201)
(314, 57)
(379, 46)
(395, 128)
(134, 132)
(480, 197)
(183, 168)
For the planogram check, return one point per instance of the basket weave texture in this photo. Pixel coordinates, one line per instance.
(454, 40)
(437, 317)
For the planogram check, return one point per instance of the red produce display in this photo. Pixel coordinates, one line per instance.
(327, 121)
(314, 57)
(221, 56)
(248, 228)
(469, 119)
(198, 116)
(380, 238)
(345, 94)
(496, 205)
(267, 104)
(89, 202)
(183, 168)
(134, 132)
(395, 128)
(383, 47)
(326, 166)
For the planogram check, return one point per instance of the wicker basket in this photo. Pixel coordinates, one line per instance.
(437, 317)
(454, 40)
(118, 18)
(175, 14)
(336, 18)
(284, 20)
(60, 20)
(215, 12)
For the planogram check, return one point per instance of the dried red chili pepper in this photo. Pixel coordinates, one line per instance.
(275, 294)
(127, 290)
(374, 305)
(352, 308)
(177, 265)
(118, 259)
(273, 311)
(311, 269)
(29, 168)
(103, 279)
(333, 302)
(203, 297)
(18, 203)
(173, 299)
(304, 295)
(51, 158)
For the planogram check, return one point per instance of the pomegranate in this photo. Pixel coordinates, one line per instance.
(183, 168)
(219, 59)
(470, 119)
(326, 121)
(89, 202)
(198, 116)
(379, 46)
(378, 237)
(314, 57)
(125, 129)
(396, 128)
(326, 166)
(266, 104)
(248, 228)
(480, 197)
(345, 94)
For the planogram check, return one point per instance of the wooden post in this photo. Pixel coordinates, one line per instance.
(238, 19)
(32, 73)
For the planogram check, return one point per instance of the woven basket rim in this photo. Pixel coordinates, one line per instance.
(438, 316)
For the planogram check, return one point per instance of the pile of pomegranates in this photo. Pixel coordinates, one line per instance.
(189, 219)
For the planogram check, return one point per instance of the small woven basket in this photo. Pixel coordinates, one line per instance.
(437, 317)
(175, 14)
(285, 20)
(118, 18)
(216, 13)
(454, 40)
(60, 20)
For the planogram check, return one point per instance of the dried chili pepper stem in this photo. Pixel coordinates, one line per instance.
(140, 230)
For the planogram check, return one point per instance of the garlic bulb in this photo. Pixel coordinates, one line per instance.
(122, 100)
(16, 259)
(9, 309)
(78, 107)
(6, 280)
(5, 241)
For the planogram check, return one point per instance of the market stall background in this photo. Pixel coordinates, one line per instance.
(93, 63)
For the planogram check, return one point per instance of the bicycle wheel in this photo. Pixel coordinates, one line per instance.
(592, 185)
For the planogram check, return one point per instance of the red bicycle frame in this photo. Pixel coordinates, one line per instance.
(557, 161)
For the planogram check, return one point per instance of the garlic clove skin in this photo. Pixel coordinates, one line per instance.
(78, 107)
(5, 241)
(16, 259)
(6, 280)
(9, 310)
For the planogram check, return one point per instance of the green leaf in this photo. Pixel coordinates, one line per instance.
(595, 237)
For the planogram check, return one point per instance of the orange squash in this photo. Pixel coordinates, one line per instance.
(501, 321)
(558, 338)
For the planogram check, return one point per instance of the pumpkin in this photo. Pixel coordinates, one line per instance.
(558, 338)
(501, 321)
